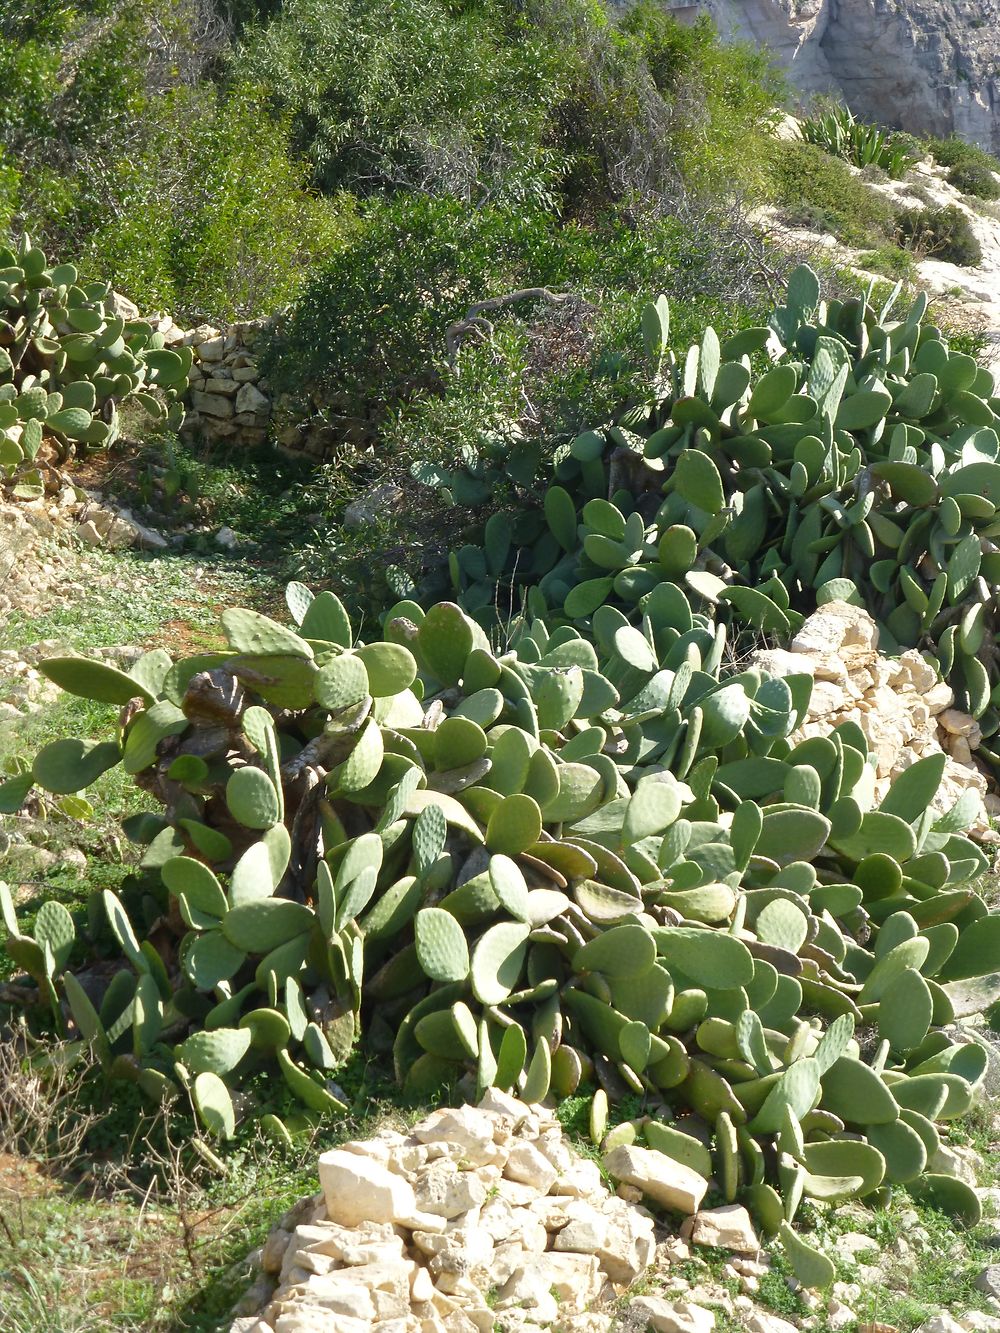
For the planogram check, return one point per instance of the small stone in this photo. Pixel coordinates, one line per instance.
(212, 404)
(975, 1321)
(372, 506)
(762, 1322)
(89, 533)
(211, 349)
(726, 1228)
(672, 1317)
(940, 1323)
(839, 1316)
(956, 1161)
(669, 1183)
(226, 538)
(851, 1244)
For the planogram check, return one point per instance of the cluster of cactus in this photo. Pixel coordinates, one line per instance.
(586, 851)
(577, 860)
(833, 455)
(67, 361)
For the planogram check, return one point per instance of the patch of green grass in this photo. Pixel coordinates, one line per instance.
(135, 597)
(891, 261)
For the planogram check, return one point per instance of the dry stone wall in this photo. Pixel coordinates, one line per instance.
(902, 705)
(230, 400)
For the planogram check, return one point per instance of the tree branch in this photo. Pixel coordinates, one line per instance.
(476, 324)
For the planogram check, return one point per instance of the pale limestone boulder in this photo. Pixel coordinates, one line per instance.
(582, 1179)
(760, 1321)
(630, 1245)
(527, 1166)
(212, 404)
(359, 1189)
(441, 1188)
(469, 1127)
(670, 1184)
(672, 1316)
(726, 1228)
(940, 1323)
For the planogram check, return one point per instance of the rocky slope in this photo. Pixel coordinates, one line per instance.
(927, 66)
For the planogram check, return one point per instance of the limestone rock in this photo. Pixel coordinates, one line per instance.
(356, 1189)
(726, 1228)
(672, 1317)
(372, 506)
(940, 1323)
(935, 58)
(667, 1182)
(988, 1281)
(250, 399)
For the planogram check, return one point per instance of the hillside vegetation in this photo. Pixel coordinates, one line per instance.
(494, 796)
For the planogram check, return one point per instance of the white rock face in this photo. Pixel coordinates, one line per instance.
(927, 66)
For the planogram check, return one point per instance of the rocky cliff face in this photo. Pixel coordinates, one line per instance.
(927, 66)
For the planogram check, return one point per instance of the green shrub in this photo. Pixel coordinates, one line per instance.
(813, 189)
(976, 179)
(972, 169)
(940, 233)
(722, 96)
(891, 261)
(214, 217)
(368, 330)
(413, 95)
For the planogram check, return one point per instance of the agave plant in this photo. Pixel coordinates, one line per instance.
(838, 132)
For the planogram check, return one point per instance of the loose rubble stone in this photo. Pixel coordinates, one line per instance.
(665, 1181)
(904, 709)
(940, 1323)
(672, 1317)
(727, 1228)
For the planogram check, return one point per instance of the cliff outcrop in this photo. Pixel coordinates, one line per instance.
(927, 66)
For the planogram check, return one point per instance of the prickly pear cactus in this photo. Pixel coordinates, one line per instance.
(838, 453)
(583, 853)
(67, 361)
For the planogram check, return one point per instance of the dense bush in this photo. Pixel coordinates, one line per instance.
(116, 146)
(940, 233)
(722, 98)
(210, 216)
(971, 169)
(815, 190)
(414, 95)
(368, 330)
